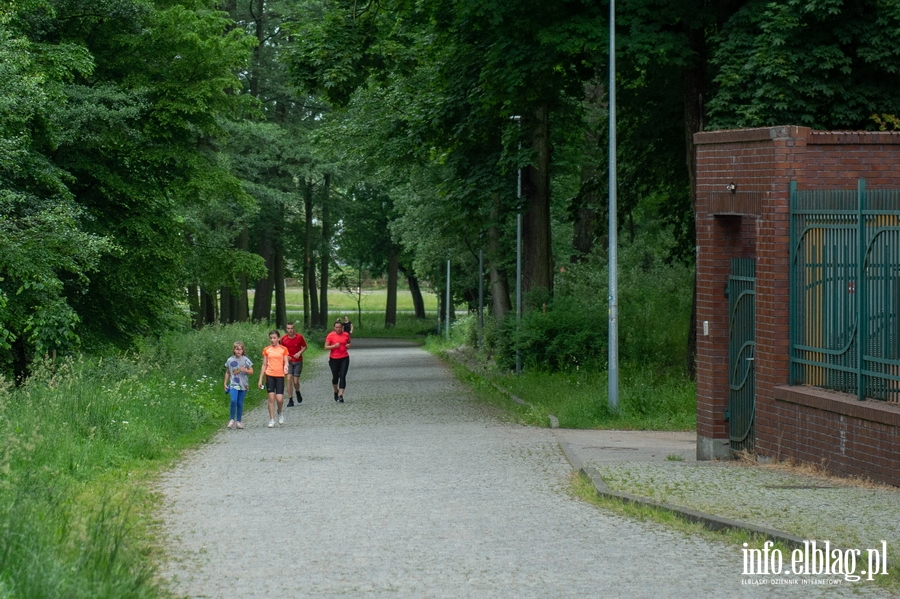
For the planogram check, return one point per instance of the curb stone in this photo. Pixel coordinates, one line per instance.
(708, 521)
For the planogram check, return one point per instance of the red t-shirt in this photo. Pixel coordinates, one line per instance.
(343, 339)
(294, 345)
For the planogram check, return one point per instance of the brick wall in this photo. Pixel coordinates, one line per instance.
(754, 222)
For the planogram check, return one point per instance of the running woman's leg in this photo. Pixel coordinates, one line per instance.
(342, 372)
(270, 389)
(335, 375)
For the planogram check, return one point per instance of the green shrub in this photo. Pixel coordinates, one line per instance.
(564, 337)
(570, 331)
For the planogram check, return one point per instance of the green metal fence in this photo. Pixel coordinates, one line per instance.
(845, 290)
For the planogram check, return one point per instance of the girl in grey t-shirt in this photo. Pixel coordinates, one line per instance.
(237, 369)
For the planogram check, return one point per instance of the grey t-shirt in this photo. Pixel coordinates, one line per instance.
(238, 379)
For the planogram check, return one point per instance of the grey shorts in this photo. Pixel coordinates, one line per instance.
(295, 368)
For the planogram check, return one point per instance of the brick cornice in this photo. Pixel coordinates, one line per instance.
(727, 136)
(821, 138)
(839, 403)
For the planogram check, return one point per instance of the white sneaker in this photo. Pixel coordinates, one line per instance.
(271, 424)
(231, 424)
(281, 418)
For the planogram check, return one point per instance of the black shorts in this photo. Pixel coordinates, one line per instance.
(295, 368)
(275, 384)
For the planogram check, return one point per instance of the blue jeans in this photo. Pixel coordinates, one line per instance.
(237, 403)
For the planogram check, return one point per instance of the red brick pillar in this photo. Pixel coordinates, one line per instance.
(749, 221)
(773, 279)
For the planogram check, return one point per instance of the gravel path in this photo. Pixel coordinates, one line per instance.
(413, 489)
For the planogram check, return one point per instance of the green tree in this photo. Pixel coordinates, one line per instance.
(827, 65)
(43, 242)
(113, 146)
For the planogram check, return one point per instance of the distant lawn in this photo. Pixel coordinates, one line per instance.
(373, 300)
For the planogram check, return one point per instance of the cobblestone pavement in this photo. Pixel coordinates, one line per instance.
(413, 489)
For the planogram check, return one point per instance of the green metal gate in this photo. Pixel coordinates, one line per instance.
(845, 290)
(741, 352)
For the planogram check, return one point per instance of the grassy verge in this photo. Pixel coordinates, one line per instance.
(82, 442)
(649, 398)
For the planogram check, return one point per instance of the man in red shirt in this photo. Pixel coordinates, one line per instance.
(296, 345)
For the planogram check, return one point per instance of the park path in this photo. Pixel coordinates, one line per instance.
(414, 489)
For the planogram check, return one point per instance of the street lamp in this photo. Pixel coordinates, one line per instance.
(447, 303)
(518, 120)
(613, 367)
(480, 297)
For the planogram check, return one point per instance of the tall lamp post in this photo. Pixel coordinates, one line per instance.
(480, 297)
(613, 222)
(447, 303)
(518, 120)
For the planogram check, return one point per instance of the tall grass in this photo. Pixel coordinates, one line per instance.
(650, 397)
(563, 346)
(81, 441)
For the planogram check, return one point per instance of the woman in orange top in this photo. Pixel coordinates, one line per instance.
(338, 342)
(275, 368)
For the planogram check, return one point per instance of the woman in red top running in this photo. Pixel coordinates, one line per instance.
(338, 342)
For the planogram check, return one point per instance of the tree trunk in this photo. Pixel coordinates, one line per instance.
(418, 300)
(586, 207)
(278, 263)
(316, 316)
(20, 360)
(242, 309)
(441, 311)
(537, 261)
(500, 301)
(308, 318)
(225, 305)
(194, 305)
(325, 251)
(359, 272)
(390, 309)
(499, 286)
(262, 298)
(257, 8)
(694, 110)
(208, 306)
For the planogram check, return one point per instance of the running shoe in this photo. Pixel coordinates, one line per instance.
(335, 397)
(271, 423)
(340, 398)
(230, 424)
(290, 403)
(299, 398)
(238, 424)
(281, 418)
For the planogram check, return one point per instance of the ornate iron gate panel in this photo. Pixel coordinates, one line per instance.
(845, 290)
(741, 353)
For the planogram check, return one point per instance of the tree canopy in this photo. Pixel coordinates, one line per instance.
(172, 159)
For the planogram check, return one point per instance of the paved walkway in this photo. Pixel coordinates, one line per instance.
(413, 489)
(661, 467)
